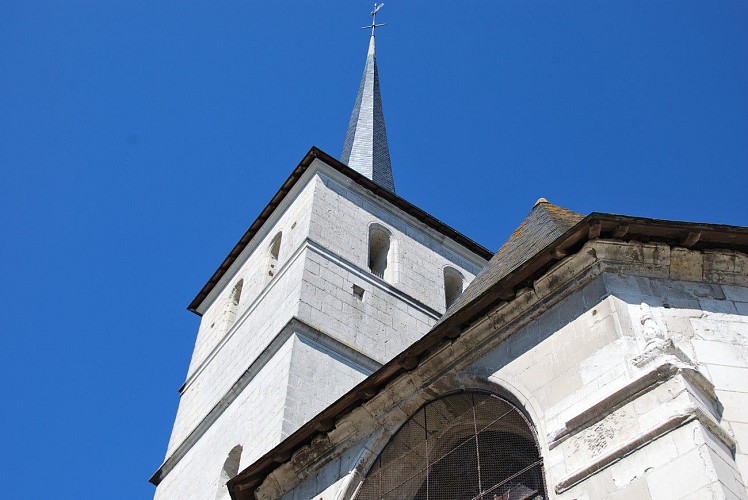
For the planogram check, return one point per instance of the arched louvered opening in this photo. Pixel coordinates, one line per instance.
(380, 252)
(275, 246)
(229, 470)
(464, 446)
(453, 284)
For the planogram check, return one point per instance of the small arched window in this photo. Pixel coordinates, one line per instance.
(275, 246)
(380, 252)
(229, 470)
(464, 446)
(453, 284)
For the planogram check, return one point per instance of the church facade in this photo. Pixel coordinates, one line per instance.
(353, 346)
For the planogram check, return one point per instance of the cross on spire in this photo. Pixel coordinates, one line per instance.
(374, 24)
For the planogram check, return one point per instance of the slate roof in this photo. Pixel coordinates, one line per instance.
(543, 225)
(365, 147)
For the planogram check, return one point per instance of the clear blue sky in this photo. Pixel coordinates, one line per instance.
(139, 139)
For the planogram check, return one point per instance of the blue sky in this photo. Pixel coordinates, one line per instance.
(138, 141)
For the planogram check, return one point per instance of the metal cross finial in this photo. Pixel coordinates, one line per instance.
(374, 24)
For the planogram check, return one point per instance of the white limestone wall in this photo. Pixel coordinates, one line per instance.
(292, 220)
(317, 377)
(709, 323)
(300, 378)
(253, 420)
(567, 357)
(266, 305)
(597, 342)
(720, 344)
(342, 214)
(253, 333)
(380, 325)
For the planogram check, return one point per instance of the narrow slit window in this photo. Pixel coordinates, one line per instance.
(453, 284)
(275, 246)
(233, 305)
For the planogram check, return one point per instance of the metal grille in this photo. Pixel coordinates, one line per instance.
(469, 446)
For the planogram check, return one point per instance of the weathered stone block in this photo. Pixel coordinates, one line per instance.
(682, 476)
(721, 353)
(736, 293)
(686, 264)
(726, 267)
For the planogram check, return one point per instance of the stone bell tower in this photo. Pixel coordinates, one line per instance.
(335, 277)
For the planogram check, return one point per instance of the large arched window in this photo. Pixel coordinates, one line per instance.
(463, 446)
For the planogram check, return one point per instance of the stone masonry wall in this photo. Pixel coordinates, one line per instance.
(222, 352)
(248, 421)
(708, 322)
(317, 377)
(341, 224)
(380, 324)
(252, 267)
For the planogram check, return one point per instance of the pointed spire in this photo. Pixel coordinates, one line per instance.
(365, 148)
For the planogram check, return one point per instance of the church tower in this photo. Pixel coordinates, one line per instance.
(335, 277)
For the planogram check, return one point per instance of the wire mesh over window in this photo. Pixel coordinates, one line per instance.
(465, 446)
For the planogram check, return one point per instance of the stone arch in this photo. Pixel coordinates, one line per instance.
(441, 447)
(523, 399)
(454, 283)
(382, 250)
(450, 383)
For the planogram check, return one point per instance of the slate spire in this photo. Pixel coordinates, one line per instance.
(365, 148)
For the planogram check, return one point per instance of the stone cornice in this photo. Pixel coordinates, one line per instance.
(632, 390)
(683, 411)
